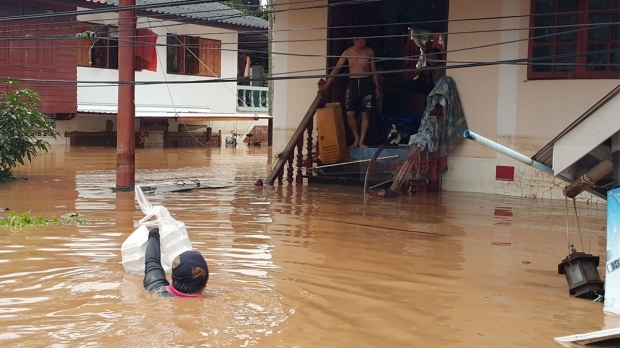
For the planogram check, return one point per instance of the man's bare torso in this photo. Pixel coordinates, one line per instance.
(359, 61)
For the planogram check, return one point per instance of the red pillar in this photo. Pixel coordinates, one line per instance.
(125, 136)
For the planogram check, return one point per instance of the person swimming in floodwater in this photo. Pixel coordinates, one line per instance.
(363, 87)
(190, 272)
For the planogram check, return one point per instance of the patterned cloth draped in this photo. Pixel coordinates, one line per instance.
(442, 139)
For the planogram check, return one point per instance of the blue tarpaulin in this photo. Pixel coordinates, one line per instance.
(612, 266)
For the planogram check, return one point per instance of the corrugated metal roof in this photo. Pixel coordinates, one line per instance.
(208, 11)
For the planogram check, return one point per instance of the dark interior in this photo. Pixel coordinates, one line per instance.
(386, 24)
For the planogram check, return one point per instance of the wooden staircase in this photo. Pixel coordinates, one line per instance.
(302, 138)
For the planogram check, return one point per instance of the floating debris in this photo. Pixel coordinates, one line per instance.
(15, 220)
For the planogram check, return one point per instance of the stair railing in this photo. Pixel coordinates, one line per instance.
(286, 159)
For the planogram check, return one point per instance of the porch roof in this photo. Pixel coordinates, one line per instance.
(208, 11)
(186, 113)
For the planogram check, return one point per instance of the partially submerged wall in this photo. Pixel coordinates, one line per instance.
(296, 58)
(502, 105)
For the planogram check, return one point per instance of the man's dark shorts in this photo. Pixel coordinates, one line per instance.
(360, 95)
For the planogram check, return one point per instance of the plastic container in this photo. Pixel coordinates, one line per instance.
(332, 143)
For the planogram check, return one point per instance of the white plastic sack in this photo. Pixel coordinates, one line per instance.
(172, 234)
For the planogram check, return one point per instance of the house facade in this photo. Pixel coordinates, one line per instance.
(23, 56)
(561, 57)
(174, 93)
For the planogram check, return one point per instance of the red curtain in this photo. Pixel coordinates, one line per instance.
(146, 50)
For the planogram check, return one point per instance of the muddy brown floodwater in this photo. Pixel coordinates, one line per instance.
(290, 266)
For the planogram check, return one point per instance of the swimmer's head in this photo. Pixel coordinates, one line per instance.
(190, 272)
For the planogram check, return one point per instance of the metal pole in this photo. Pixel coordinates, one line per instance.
(353, 162)
(125, 136)
(272, 21)
(508, 152)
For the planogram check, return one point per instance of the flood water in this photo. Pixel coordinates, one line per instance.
(290, 266)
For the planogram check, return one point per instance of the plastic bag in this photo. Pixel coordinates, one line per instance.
(172, 235)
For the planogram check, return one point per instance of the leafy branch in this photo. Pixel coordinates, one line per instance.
(19, 123)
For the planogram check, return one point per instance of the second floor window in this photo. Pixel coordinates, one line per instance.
(191, 55)
(574, 39)
(104, 51)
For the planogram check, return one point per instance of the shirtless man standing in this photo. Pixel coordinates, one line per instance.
(360, 87)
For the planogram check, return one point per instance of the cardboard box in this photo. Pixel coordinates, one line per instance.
(332, 137)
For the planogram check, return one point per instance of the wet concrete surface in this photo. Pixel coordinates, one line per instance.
(290, 266)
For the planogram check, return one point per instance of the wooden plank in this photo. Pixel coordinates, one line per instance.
(182, 187)
(591, 337)
(42, 59)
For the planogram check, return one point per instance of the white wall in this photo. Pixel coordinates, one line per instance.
(97, 123)
(501, 104)
(293, 97)
(219, 97)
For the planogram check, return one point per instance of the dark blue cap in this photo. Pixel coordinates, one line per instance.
(189, 265)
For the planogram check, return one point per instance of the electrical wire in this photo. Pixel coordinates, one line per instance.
(420, 23)
(412, 23)
(71, 37)
(205, 65)
(390, 58)
(105, 10)
(413, 57)
(239, 14)
(212, 72)
(158, 15)
(174, 108)
(448, 51)
(519, 61)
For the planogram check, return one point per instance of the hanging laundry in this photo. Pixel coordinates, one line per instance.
(146, 50)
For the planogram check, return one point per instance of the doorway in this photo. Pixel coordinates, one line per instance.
(387, 26)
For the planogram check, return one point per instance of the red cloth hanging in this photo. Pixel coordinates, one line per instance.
(146, 50)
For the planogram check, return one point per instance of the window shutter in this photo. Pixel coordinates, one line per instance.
(216, 62)
(204, 58)
(83, 46)
(210, 55)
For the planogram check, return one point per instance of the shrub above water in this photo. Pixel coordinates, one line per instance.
(19, 123)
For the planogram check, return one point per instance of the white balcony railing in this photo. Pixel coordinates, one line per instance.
(252, 98)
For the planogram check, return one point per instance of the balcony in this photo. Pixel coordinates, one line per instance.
(253, 99)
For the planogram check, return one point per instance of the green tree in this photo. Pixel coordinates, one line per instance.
(19, 122)
(261, 12)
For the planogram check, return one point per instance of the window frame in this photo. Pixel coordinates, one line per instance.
(581, 43)
(85, 57)
(208, 51)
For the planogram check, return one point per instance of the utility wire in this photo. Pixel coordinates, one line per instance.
(159, 15)
(72, 37)
(241, 14)
(394, 58)
(106, 10)
(172, 4)
(519, 61)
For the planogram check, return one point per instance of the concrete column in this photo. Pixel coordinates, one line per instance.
(125, 136)
(615, 154)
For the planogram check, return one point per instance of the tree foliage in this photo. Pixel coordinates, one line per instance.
(260, 11)
(19, 123)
